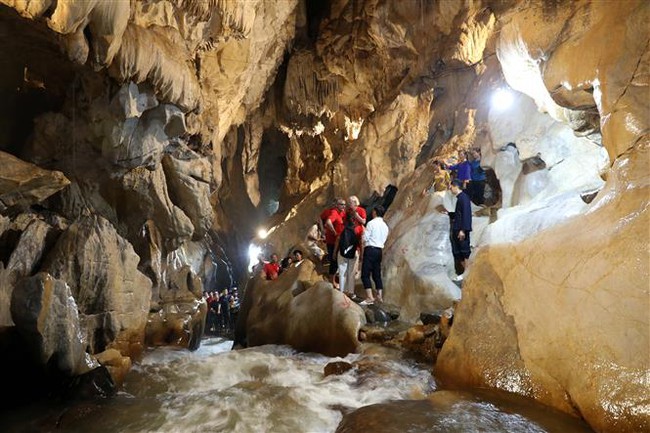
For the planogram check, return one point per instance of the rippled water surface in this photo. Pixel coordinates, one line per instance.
(266, 389)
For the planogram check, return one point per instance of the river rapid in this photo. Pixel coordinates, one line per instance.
(274, 389)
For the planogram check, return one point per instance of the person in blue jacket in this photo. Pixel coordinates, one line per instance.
(463, 169)
(461, 227)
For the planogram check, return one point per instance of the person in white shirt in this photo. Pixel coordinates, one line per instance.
(374, 238)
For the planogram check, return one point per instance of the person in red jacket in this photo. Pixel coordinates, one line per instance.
(272, 268)
(333, 225)
(358, 213)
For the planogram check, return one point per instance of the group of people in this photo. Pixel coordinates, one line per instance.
(272, 268)
(349, 237)
(467, 169)
(223, 308)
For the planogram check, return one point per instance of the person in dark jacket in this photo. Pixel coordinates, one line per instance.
(461, 227)
(477, 185)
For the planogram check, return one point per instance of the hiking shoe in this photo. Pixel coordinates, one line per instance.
(366, 302)
(457, 278)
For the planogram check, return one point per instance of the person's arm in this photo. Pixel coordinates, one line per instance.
(358, 217)
(336, 245)
(330, 226)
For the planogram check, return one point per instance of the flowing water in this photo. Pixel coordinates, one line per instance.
(275, 389)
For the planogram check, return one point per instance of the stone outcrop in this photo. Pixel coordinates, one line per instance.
(23, 184)
(458, 410)
(46, 314)
(111, 293)
(301, 310)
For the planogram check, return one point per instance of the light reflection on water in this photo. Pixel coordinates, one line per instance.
(261, 389)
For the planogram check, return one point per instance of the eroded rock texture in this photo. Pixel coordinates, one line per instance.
(177, 129)
(301, 310)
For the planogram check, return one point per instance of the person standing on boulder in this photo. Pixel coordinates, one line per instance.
(373, 240)
(461, 226)
(347, 245)
(333, 226)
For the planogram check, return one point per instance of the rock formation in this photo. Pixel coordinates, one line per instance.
(299, 310)
(145, 143)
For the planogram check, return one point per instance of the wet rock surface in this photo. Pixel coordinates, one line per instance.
(454, 411)
(315, 318)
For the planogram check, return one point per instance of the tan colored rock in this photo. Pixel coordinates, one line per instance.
(299, 311)
(177, 323)
(246, 65)
(118, 366)
(23, 184)
(529, 293)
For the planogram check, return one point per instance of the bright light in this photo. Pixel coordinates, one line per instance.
(254, 252)
(262, 233)
(502, 99)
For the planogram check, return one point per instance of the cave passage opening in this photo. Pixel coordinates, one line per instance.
(272, 169)
(34, 78)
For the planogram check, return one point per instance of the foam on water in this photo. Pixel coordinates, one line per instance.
(263, 389)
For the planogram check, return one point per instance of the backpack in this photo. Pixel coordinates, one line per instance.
(348, 243)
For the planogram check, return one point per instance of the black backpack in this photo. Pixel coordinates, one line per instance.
(348, 243)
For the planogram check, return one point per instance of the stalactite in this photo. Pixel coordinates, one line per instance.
(310, 89)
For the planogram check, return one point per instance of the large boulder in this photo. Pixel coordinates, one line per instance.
(101, 269)
(299, 310)
(457, 411)
(46, 315)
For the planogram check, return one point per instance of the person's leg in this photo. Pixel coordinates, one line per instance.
(457, 252)
(480, 192)
(333, 265)
(459, 267)
(365, 275)
(353, 266)
(376, 275)
(343, 267)
(465, 250)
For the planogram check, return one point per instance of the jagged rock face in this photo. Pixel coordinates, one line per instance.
(23, 184)
(45, 311)
(112, 294)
